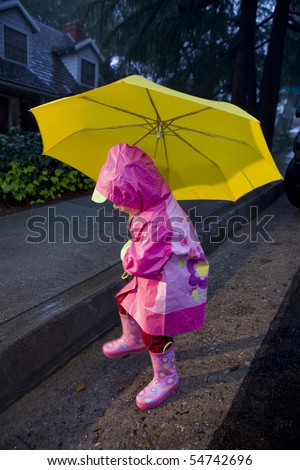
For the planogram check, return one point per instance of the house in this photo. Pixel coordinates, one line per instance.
(39, 63)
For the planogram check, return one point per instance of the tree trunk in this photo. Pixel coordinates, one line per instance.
(244, 78)
(272, 70)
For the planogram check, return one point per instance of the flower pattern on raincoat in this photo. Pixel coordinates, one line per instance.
(168, 290)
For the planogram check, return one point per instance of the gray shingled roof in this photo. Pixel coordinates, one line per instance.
(47, 65)
(47, 73)
(17, 74)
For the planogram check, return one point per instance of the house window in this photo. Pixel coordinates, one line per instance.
(15, 45)
(88, 71)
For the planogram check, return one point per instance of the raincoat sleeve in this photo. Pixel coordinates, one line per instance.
(149, 250)
(125, 248)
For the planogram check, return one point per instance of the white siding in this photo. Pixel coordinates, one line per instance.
(14, 18)
(73, 62)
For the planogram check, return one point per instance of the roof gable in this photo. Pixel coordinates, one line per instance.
(47, 65)
(89, 42)
(16, 4)
(76, 47)
(54, 58)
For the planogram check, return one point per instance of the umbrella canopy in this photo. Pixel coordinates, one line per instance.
(204, 149)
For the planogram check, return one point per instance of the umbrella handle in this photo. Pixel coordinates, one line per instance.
(160, 132)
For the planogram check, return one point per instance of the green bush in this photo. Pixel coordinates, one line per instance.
(29, 177)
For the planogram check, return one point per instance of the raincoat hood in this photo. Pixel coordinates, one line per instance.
(130, 178)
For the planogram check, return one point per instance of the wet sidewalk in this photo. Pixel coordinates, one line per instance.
(60, 269)
(238, 376)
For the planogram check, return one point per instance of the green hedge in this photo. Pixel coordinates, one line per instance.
(29, 177)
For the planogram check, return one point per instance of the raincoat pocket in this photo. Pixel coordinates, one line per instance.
(153, 292)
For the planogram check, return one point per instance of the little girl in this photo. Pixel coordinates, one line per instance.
(167, 294)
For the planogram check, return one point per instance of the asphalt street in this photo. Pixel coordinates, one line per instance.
(239, 376)
(61, 268)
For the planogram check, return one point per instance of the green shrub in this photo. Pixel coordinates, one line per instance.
(29, 177)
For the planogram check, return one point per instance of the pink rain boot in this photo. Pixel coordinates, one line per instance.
(164, 382)
(130, 342)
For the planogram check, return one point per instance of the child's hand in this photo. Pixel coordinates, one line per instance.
(125, 248)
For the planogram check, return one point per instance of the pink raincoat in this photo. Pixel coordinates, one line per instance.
(167, 294)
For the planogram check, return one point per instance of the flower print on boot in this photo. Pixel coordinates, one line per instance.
(164, 382)
(130, 341)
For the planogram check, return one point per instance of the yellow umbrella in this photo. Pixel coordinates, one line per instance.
(204, 149)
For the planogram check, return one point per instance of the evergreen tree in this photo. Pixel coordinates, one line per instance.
(271, 79)
(210, 48)
(244, 77)
(181, 43)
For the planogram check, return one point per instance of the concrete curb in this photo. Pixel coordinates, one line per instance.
(42, 339)
(220, 224)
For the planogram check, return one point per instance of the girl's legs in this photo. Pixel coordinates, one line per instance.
(153, 343)
(156, 344)
(165, 379)
(130, 341)
(120, 299)
(134, 339)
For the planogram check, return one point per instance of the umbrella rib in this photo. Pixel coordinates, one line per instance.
(192, 113)
(113, 127)
(156, 145)
(194, 148)
(159, 124)
(98, 129)
(143, 137)
(154, 107)
(148, 120)
(202, 154)
(236, 141)
(166, 152)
